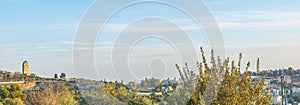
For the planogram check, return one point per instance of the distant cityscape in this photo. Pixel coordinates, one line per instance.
(283, 84)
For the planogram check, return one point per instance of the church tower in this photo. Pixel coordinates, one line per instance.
(25, 68)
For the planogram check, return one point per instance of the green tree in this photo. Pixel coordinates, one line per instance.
(63, 75)
(118, 90)
(12, 101)
(12, 95)
(55, 76)
(222, 83)
(55, 95)
(97, 94)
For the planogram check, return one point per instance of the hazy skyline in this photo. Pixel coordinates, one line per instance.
(42, 32)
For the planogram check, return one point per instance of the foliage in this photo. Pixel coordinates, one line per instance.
(113, 93)
(98, 95)
(63, 75)
(149, 83)
(55, 76)
(12, 95)
(12, 101)
(119, 91)
(222, 84)
(55, 95)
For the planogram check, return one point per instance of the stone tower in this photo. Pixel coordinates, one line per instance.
(25, 68)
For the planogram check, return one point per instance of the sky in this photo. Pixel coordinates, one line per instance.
(43, 32)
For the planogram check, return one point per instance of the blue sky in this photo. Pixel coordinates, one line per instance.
(42, 32)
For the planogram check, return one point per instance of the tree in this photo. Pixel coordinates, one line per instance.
(63, 75)
(12, 95)
(220, 84)
(99, 95)
(55, 95)
(55, 76)
(119, 92)
(12, 101)
(132, 86)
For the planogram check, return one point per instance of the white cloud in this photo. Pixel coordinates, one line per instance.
(227, 20)
(67, 42)
(258, 20)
